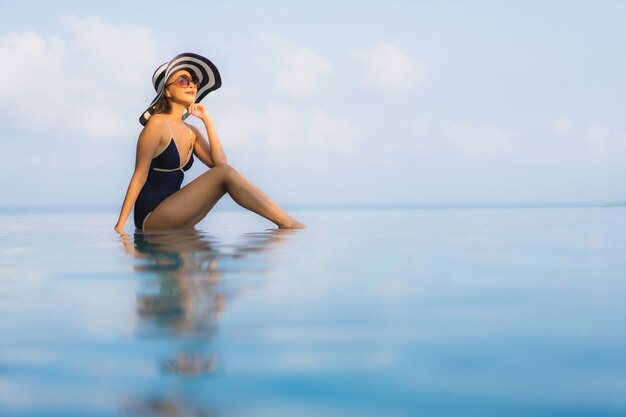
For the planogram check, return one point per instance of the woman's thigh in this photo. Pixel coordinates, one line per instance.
(187, 206)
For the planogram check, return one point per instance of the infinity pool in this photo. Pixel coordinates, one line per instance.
(425, 312)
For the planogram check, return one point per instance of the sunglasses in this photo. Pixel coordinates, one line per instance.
(183, 81)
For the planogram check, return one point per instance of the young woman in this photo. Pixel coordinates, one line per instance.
(166, 147)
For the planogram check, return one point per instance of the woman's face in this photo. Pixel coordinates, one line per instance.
(181, 87)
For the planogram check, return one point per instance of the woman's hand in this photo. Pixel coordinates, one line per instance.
(199, 111)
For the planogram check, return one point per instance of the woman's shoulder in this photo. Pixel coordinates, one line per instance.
(155, 125)
(155, 120)
(154, 129)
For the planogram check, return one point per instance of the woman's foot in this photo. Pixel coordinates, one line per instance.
(292, 224)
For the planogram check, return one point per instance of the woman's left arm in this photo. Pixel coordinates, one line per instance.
(208, 151)
(201, 147)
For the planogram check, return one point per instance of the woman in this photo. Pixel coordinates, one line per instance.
(166, 147)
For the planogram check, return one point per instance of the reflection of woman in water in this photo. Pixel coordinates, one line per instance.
(166, 147)
(183, 300)
(184, 297)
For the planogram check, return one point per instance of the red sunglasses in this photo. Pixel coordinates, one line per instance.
(183, 81)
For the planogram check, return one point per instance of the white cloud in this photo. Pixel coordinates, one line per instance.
(27, 62)
(490, 142)
(297, 71)
(112, 52)
(595, 141)
(265, 117)
(386, 67)
(600, 141)
(561, 126)
(84, 82)
(480, 141)
(272, 127)
(333, 133)
(279, 127)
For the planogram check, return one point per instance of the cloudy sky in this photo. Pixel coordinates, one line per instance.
(330, 102)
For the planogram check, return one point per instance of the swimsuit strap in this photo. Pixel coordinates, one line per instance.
(191, 134)
(168, 127)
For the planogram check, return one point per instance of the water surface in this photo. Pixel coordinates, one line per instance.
(435, 312)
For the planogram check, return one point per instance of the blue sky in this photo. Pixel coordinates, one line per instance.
(353, 102)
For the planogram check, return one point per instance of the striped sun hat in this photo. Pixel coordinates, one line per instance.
(198, 65)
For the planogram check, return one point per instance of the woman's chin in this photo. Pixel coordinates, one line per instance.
(186, 102)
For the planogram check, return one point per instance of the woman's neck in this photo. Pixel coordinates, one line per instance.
(178, 110)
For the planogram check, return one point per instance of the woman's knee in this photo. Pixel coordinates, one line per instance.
(225, 171)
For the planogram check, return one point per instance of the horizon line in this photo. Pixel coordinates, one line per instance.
(52, 208)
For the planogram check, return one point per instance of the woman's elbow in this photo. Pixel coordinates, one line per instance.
(215, 162)
(139, 179)
(220, 162)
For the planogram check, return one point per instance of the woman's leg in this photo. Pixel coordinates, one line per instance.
(185, 208)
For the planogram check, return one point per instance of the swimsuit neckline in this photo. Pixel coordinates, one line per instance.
(176, 145)
(172, 138)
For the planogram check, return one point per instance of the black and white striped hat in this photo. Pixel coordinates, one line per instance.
(198, 65)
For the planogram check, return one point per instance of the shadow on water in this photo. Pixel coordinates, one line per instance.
(180, 301)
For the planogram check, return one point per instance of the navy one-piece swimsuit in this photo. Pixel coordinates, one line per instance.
(164, 179)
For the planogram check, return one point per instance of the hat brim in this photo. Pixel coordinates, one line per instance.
(207, 73)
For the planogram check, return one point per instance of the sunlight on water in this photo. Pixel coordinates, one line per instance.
(364, 313)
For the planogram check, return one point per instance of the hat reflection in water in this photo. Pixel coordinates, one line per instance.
(166, 148)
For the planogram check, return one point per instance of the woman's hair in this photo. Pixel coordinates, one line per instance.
(163, 105)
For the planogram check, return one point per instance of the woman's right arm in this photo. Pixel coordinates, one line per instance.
(147, 144)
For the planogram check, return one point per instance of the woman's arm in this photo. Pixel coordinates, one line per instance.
(208, 151)
(147, 144)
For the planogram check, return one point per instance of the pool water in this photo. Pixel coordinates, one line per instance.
(416, 312)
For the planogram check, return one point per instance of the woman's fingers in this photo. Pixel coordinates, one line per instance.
(197, 109)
